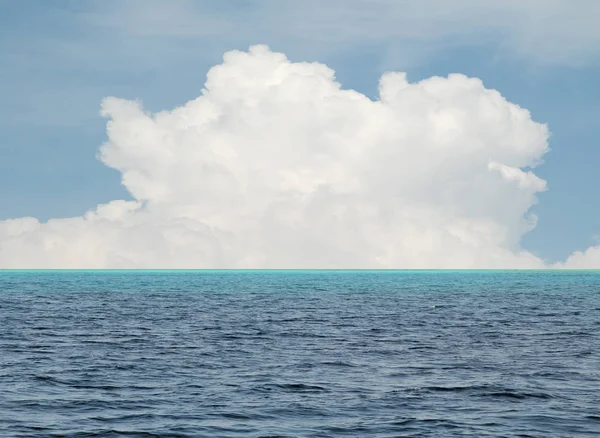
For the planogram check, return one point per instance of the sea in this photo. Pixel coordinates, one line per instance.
(299, 354)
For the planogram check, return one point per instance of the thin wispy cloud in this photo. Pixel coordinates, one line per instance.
(538, 31)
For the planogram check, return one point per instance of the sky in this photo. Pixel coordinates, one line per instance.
(326, 159)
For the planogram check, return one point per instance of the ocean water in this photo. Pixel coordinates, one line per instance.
(299, 354)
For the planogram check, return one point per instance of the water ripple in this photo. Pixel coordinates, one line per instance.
(299, 354)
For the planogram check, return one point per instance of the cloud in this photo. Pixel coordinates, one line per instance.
(588, 259)
(276, 166)
(538, 31)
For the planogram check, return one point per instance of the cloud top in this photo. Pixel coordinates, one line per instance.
(276, 166)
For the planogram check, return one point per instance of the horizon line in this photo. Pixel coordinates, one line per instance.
(249, 270)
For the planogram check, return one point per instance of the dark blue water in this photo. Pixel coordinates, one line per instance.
(300, 354)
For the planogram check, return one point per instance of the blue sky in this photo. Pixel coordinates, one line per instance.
(60, 58)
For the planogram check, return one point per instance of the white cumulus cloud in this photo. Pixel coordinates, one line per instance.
(276, 166)
(588, 259)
